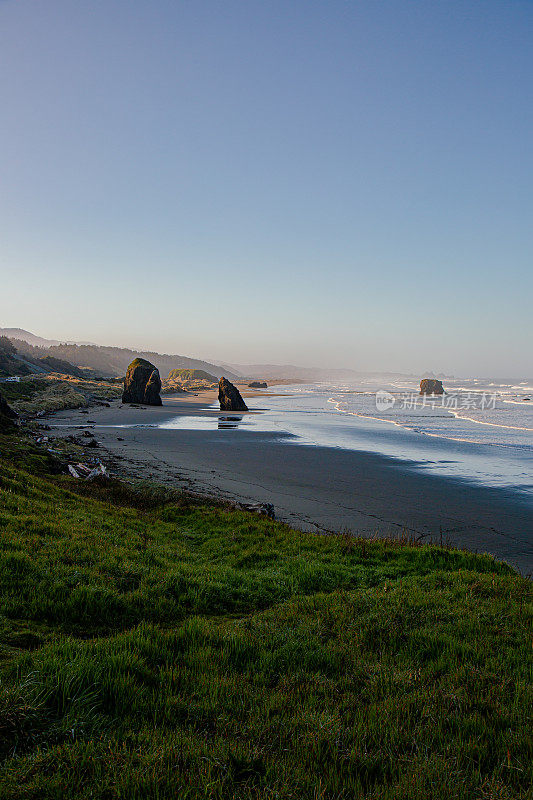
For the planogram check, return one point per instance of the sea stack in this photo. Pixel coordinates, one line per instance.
(431, 386)
(142, 384)
(229, 397)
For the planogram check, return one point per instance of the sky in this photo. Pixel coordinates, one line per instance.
(342, 184)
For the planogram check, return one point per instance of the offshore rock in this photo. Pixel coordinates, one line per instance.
(431, 386)
(142, 384)
(229, 397)
(257, 385)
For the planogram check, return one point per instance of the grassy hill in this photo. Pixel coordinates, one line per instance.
(47, 393)
(154, 646)
(191, 375)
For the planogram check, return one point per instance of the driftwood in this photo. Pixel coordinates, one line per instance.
(88, 473)
(264, 509)
(98, 472)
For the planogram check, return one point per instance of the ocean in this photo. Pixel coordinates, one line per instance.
(479, 431)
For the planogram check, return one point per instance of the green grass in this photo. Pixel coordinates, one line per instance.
(154, 646)
(31, 396)
(23, 390)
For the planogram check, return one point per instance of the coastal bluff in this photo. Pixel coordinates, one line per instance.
(142, 384)
(431, 386)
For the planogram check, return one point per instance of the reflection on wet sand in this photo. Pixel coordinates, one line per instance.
(229, 422)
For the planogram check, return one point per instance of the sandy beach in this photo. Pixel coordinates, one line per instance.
(313, 488)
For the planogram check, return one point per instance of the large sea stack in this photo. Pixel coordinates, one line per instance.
(142, 384)
(431, 386)
(229, 397)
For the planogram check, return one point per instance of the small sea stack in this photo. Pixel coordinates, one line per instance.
(142, 384)
(258, 385)
(229, 397)
(431, 386)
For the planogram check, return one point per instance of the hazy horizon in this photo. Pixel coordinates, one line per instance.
(428, 371)
(340, 185)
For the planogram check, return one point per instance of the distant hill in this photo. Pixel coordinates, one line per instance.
(106, 361)
(59, 365)
(26, 336)
(14, 362)
(31, 338)
(115, 360)
(10, 363)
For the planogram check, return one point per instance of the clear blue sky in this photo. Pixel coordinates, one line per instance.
(342, 183)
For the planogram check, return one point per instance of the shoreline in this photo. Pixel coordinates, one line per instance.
(317, 488)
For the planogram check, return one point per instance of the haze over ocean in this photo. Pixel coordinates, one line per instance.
(345, 185)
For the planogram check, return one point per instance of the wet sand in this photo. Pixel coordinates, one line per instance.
(313, 488)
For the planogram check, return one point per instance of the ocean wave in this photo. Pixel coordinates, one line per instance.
(430, 421)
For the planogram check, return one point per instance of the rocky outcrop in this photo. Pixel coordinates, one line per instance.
(431, 386)
(229, 397)
(7, 415)
(257, 385)
(142, 384)
(153, 389)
